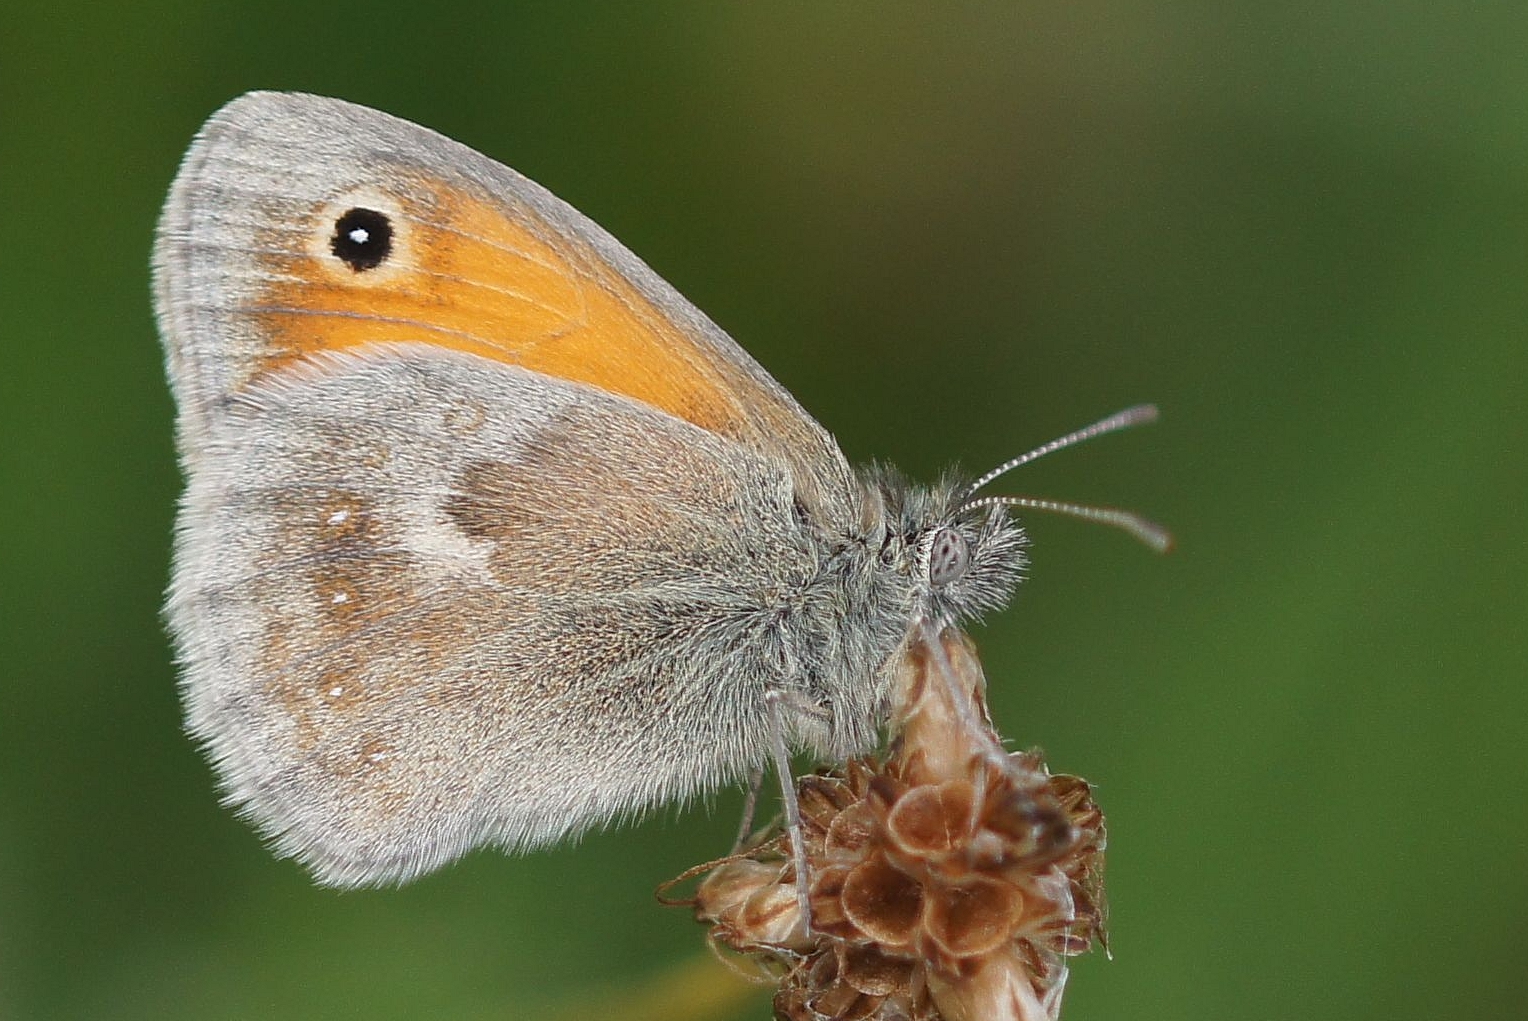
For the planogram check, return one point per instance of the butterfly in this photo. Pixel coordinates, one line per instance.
(488, 535)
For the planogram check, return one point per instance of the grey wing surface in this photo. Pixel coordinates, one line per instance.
(426, 602)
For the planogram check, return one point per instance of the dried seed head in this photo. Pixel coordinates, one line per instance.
(949, 881)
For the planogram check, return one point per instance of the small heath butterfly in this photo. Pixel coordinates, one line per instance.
(489, 536)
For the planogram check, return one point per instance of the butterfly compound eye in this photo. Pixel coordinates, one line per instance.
(363, 238)
(948, 557)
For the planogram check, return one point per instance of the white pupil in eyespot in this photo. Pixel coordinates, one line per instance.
(360, 235)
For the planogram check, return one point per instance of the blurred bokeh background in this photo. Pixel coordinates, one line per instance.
(953, 231)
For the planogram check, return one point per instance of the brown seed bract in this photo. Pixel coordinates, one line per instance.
(949, 882)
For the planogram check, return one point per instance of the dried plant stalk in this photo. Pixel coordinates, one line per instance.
(949, 881)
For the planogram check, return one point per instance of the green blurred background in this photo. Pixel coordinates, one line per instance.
(953, 231)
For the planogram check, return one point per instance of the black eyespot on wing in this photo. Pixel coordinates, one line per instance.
(363, 239)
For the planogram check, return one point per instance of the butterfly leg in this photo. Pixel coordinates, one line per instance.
(750, 804)
(792, 807)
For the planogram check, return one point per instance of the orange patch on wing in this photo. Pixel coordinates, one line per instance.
(465, 276)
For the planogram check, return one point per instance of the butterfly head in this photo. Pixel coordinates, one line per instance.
(961, 552)
(962, 560)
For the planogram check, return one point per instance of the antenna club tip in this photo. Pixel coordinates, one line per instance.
(1152, 535)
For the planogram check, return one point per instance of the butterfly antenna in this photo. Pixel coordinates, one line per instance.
(1141, 414)
(1143, 529)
